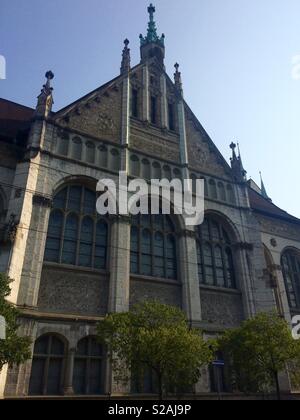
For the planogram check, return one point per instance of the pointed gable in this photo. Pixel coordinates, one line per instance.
(203, 155)
(98, 114)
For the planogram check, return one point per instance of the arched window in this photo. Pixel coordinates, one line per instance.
(215, 255)
(47, 372)
(90, 152)
(77, 235)
(213, 189)
(77, 148)
(153, 247)
(156, 170)
(88, 377)
(114, 163)
(102, 156)
(221, 190)
(63, 145)
(290, 263)
(230, 194)
(146, 169)
(177, 174)
(167, 172)
(134, 165)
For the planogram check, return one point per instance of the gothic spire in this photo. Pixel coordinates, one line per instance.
(125, 65)
(263, 188)
(237, 164)
(177, 78)
(45, 98)
(152, 36)
(152, 45)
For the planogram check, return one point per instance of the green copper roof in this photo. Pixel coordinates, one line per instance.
(152, 36)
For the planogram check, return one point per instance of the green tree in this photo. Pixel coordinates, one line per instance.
(259, 350)
(156, 338)
(14, 349)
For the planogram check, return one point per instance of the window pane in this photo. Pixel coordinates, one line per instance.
(79, 375)
(86, 242)
(74, 201)
(52, 250)
(60, 199)
(70, 240)
(37, 375)
(89, 202)
(95, 378)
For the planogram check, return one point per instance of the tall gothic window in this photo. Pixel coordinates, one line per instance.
(88, 377)
(290, 262)
(76, 233)
(134, 103)
(153, 247)
(47, 372)
(153, 109)
(215, 255)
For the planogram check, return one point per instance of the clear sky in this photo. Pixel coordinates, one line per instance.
(235, 55)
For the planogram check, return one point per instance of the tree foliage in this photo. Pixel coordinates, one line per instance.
(259, 350)
(15, 349)
(155, 337)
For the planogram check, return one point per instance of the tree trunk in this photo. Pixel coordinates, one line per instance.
(276, 377)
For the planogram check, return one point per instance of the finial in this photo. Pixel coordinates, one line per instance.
(125, 65)
(177, 78)
(45, 99)
(47, 89)
(263, 188)
(151, 11)
(152, 36)
(233, 147)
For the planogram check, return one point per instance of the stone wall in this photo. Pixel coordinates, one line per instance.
(73, 292)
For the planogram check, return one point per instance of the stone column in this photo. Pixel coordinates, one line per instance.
(68, 384)
(189, 277)
(119, 265)
(35, 246)
(119, 284)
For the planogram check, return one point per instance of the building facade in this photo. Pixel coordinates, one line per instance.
(71, 266)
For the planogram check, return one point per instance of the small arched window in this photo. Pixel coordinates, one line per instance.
(77, 235)
(77, 148)
(134, 165)
(230, 194)
(290, 263)
(153, 247)
(88, 377)
(63, 145)
(215, 255)
(177, 174)
(213, 189)
(102, 156)
(47, 372)
(114, 163)
(221, 191)
(156, 170)
(146, 169)
(167, 172)
(90, 152)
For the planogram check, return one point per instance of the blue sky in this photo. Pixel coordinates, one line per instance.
(235, 55)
